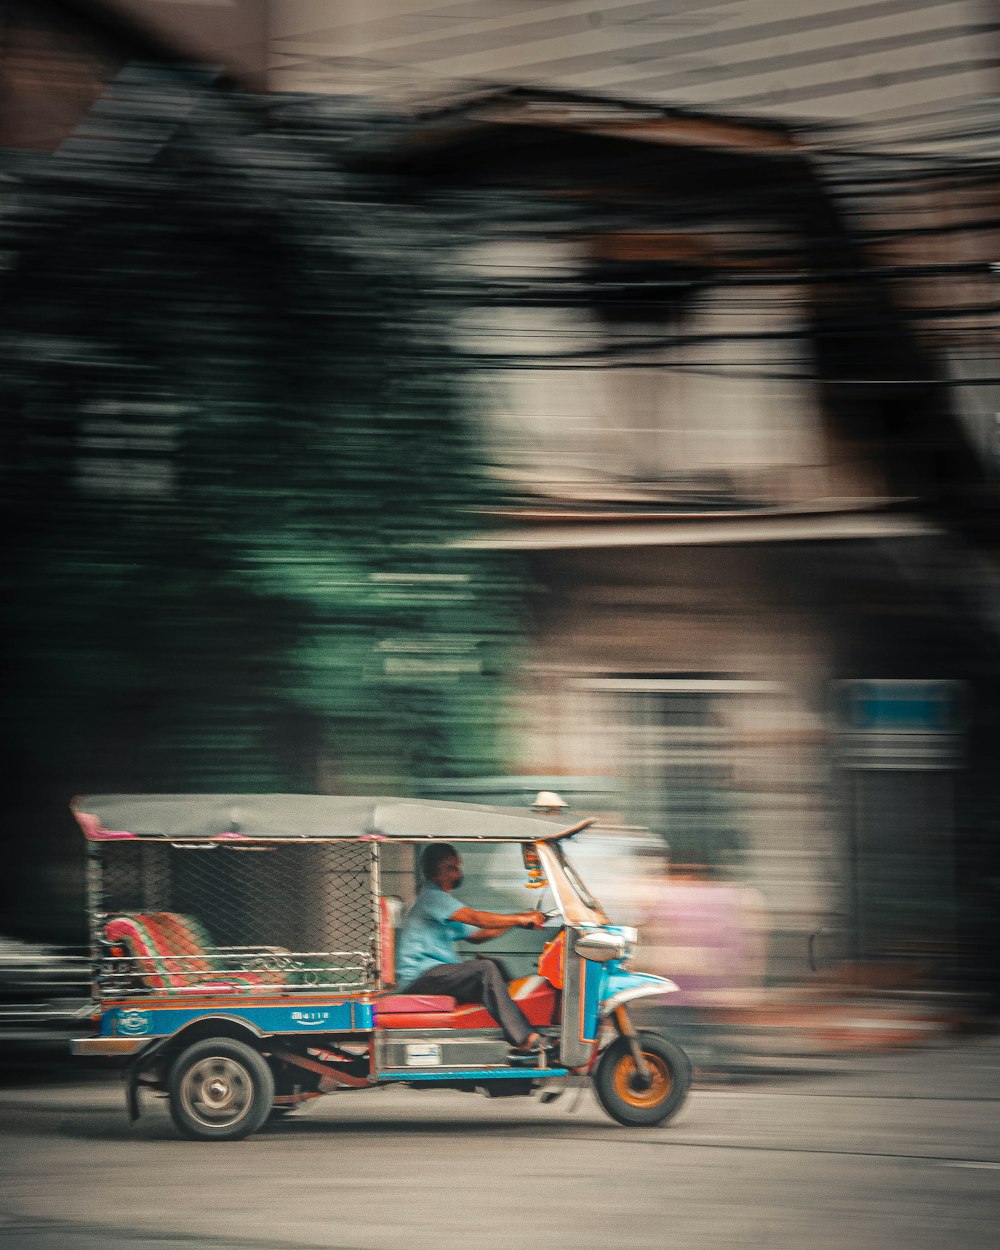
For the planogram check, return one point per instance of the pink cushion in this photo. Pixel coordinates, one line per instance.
(402, 1004)
(170, 957)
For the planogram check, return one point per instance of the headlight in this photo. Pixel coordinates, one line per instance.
(600, 945)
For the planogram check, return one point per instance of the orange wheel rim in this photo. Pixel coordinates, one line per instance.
(627, 1086)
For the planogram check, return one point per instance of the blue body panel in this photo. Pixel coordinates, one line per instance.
(334, 1017)
(617, 979)
(591, 995)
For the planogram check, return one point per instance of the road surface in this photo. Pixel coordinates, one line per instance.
(893, 1152)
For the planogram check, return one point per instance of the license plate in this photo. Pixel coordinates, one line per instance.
(423, 1055)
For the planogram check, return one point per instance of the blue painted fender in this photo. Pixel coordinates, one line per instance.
(619, 986)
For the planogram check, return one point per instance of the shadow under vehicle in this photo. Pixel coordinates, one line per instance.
(243, 961)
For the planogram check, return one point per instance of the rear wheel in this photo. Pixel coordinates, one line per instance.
(630, 1100)
(220, 1090)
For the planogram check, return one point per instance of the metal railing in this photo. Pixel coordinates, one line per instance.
(249, 969)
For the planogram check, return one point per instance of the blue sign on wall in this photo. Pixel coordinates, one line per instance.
(891, 706)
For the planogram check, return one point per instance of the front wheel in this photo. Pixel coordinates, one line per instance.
(636, 1103)
(220, 1090)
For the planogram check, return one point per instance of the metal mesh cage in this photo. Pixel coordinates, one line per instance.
(249, 917)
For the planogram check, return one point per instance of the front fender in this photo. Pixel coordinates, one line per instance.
(623, 987)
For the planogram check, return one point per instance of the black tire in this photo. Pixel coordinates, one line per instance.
(220, 1090)
(623, 1097)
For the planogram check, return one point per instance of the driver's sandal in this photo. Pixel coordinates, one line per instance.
(542, 1053)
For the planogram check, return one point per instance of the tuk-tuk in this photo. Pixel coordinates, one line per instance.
(243, 950)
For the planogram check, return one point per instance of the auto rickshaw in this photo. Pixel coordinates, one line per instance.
(243, 946)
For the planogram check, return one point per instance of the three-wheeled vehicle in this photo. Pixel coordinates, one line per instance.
(243, 960)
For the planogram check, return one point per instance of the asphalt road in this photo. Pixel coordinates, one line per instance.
(890, 1152)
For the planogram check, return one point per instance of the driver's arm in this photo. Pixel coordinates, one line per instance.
(494, 923)
(484, 935)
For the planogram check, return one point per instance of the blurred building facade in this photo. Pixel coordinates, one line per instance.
(751, 415)
(738, 373)
(820, 60)
(745, 494)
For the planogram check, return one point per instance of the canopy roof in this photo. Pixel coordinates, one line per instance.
(196, 817)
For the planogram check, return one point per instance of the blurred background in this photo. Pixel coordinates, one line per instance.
(478, 398)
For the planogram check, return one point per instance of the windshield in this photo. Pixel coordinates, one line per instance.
(576, 879)
(576, 902)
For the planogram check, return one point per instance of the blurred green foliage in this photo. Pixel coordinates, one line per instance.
(238, 446)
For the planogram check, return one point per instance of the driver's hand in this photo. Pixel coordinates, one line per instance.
(532, 920)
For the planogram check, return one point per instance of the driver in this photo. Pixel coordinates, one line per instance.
(426, 960)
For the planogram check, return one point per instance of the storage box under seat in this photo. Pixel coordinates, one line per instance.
(441, 1050)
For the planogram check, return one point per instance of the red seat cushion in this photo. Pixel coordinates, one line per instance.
(400, 1004)
(534, 995)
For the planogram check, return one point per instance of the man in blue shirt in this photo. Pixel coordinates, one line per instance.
(426, 959)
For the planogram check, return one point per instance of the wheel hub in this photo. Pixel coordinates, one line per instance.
(217, 1091)
(642, 1091)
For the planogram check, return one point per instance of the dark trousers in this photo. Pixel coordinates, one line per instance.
(477, 981)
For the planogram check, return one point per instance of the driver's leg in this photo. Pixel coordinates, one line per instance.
(505, 972)
(495, 997)
(478, 981)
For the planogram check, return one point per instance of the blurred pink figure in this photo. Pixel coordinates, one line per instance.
(710, 937)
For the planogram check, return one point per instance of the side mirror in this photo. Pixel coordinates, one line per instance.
(600, 946)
